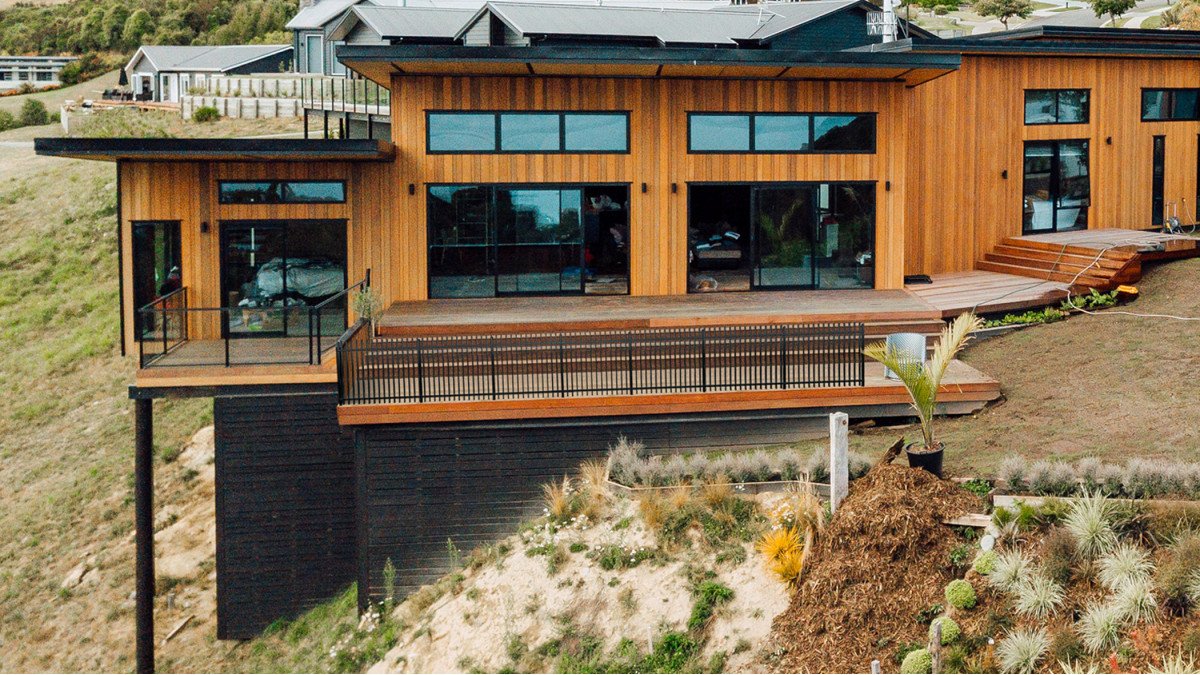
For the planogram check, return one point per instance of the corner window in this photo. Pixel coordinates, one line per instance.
(781, 133)
(1166, 105)
(527, 132)
(283, 192)
(1057, 106)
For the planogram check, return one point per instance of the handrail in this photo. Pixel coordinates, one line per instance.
(344, 95)
(171, 318)
(621, 362)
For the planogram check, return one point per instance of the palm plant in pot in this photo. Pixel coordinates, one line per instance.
(922, 379)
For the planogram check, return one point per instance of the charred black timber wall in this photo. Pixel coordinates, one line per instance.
(472, 483)
(285, 508)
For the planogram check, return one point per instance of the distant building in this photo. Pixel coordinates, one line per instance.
(38, 71)
(163, 73)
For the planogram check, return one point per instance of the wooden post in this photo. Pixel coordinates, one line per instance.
(143, 479)
(839, 469)
(935, 647)
(875, 668)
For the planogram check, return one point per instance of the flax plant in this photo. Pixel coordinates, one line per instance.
(922, 379)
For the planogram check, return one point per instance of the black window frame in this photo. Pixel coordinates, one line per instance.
(1158, 175)
(1171, 91)
(1087, 105)
(562, 132)
(277, 185)
(812, 138)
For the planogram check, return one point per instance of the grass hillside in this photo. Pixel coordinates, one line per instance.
(53, 98)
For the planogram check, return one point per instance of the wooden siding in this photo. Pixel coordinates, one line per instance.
(187, 192)
(285, 508)
(968, 128)
(658, 157)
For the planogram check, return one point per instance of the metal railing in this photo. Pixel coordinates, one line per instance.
(249, 336)
(344, 96)
(559, 365)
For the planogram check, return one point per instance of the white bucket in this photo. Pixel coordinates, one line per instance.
(910, 346)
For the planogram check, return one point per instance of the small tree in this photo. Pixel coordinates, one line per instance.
(1113, 8)
(1004, 10)
(921, 379)
(33, 114)
(367, 305)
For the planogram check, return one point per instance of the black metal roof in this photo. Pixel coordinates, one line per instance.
(217, 149)
(1057, 40)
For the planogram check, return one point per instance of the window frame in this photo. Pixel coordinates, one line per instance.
(1087, 111)
(279, 182)
(497, 148)
(812, 138)
(1171, 91)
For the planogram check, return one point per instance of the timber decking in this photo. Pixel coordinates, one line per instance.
(987, 292)
(962, 384)
(1101, 258)
(886, 310)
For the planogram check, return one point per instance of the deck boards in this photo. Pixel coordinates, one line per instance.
(1133, 241)
(516, 315)
(987, 292)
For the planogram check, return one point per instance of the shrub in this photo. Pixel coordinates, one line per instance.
(1066, 647)
(1090, 522)
(784, 551)
(1100, 627)
(1123, 565)
(1058, 555)
(205, 113)
(950, 629)
(1021, 650)
(33, 114)
(708, 595)
(1136, 602)
(1012, 473)
(1012, 569)
(985, 562)
(1178, 577)
(1097, 477)
(960, 555)
(1052, 478)
(917, 661)
(960, 594)
(1039, 598)
(7, 121)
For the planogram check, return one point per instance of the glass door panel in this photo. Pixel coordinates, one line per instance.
(156, 268)
(1057, 186)
(1039, 204)
(252, 277)
(1074, 186)
(845, 242)
(539, 241)
(461, 242)
(786, 234)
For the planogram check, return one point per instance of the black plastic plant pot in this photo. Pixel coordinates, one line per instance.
(920, 458)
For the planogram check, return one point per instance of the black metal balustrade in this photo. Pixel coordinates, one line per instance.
(299, 335)
(559, 365)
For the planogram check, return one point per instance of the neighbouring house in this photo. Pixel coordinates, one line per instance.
(35, 71)
(165, 72)
(675, 225)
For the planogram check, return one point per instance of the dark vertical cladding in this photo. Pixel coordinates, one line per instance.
(143, 474)
(285, 508)
(472, 483)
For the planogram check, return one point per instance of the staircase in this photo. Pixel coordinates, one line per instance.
(1081, 266)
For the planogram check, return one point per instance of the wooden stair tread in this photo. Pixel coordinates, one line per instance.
(1071, 268)
(1045, 275)
(1050, 256)
(1111, 254)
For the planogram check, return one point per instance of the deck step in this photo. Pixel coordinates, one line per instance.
(1112, 254)
(1087, 281)
(1058, 266)
(1066, 258)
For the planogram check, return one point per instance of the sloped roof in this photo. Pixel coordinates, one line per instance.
(215, 58)
(721, 24)
(321, 13)
(398, 23)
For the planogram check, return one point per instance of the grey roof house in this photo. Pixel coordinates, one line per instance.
(164, 73)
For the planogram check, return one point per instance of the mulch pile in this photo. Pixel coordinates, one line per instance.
(882, 560)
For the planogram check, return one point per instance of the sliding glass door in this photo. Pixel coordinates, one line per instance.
(1057, 186)
(781, 236)
(497, 240)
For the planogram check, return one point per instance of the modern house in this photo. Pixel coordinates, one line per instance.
(164, 73)
(35, 71)
(680, 226)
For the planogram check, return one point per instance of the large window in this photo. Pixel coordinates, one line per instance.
(157, 262)
(1160, 105)
(527, 132)
(1057, 186)
(1056, 106)
(490, 240)
(781, 133)
(283, 192)
(272, 270)
(747, 236)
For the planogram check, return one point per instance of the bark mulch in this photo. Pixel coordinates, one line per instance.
(881, 561)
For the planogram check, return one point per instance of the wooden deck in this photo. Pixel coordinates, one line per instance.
(987, 292)
(964, 390)
(886, 311)
(1150, 245)
(256, 361)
